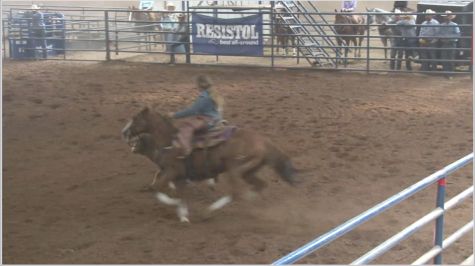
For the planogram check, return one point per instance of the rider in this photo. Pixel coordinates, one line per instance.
(203, 114)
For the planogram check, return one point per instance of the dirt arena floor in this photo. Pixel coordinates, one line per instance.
(73, 191)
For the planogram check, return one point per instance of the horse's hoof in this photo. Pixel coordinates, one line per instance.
(184, 220)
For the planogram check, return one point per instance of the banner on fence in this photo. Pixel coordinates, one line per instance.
(236, 36)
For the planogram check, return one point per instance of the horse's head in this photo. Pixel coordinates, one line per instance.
(143, 144)
(133, 14)
(340, 17)
(148, 121)
(140, 123)
(370, 16)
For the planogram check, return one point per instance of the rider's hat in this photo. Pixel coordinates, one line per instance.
(35, 7)
(448, 14)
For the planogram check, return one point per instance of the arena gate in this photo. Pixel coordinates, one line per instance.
(109, 34)
(437, 214)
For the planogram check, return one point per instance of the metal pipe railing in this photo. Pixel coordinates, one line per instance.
(411, 229)
(372, 212)
(437, 250)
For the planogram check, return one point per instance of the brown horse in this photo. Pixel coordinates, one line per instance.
(146, 23)
(284, 35)
(239, 158)
(348, 26)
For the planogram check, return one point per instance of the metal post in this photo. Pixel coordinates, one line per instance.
(106, 21)
(439, 223)
(272, 18)
(116, 44)
(188, 51)
(215, 15)
(367, 43)
(4, 38)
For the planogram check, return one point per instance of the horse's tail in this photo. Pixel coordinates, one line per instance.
(281, 163)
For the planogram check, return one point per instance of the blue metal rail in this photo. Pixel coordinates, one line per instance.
(378, 209)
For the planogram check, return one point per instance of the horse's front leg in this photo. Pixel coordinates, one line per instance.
(385, 44)
(177, 191)
(359, 45)
(355, 43)
(294, 49)
(150, 187)
(340, 50)
(347, 49)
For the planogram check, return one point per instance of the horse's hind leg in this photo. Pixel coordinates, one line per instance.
(251, 178)
(359, 45)
(238, 171)
(257, 184)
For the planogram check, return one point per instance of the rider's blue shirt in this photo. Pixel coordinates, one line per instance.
(204, 105)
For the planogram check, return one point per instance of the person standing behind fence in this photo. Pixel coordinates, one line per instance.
(449, 32)
(395, 40)
(168, 25)
(408, 41)
(38, 30)
(401, 5)
(428, 41)
(182, 38)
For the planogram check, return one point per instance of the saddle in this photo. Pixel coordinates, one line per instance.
(214, 136)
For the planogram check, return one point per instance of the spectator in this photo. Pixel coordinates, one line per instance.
(401, 5)
(407, 27)
(168, 25)
(182, 38)
(395, 40)
(428, 41)
(449, 32)
(38, 30)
